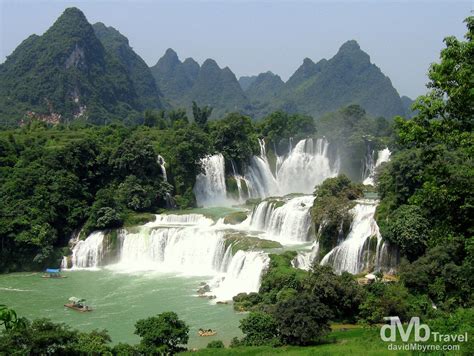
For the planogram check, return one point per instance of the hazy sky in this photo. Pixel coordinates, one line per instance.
(250, 37)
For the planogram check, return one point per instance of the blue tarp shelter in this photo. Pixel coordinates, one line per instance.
(52, 270)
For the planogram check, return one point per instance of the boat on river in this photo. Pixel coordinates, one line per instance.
(52, 273)
(208, 332)
(78, 304)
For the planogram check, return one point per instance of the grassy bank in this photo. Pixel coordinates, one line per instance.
(344, 340)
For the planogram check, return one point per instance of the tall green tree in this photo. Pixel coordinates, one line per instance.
(164, 333)
(201, 114)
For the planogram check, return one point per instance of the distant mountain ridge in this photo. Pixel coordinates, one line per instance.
(76, 70)
(317, 88)
(184, 82)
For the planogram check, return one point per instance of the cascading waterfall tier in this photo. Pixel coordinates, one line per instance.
(243, 275)
(88, 253)
(189, 244)
(382, 157)
(299, 171)
(358, 250)
(210, 189)
(286, 220)
(305, 166)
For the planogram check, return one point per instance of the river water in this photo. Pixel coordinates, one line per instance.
(119, 300)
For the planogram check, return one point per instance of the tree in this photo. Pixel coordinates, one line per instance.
(340, 293)
(9, 319)
(178, 116)
(164, 332)
(259, 329)
(407, 228)
(201, 114)
(302, 320)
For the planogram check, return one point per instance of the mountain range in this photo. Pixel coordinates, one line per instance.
(76, 70)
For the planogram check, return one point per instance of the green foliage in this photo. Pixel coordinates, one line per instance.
(234, 137)
(407, 229)
(458, 322)
(444, 273)
(243, 242)
(162, 333)
(302, 320)
(340, 293)
(388, 299)
(201, 114)
(42, 337)
(281, 125)
(9, 320)
(259, 329)
(427, 189)
(216, 344)
(331, 210)
(68, 178)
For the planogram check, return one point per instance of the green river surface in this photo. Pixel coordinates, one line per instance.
(119, 300)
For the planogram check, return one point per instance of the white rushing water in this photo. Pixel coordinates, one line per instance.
(299, 171)
(353, 254)
(210, 189)
(189, 244)
(305, 166)
(382, 157)
(286, 221)
(243, 275)
(304, 259)
(88, 253)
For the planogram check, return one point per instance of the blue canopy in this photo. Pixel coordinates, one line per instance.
(52, 270)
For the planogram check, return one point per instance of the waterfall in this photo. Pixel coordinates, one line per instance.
(286, 221)
(210, 189)
(161, 162)
(353, 254)
(180, 219)
(261, 182)
(88, 253)
(382, 157)
(189, 244)
(243, 275)
(239, 180)
(190, 250)
(387, 258)
(306, 165)
(299, 171)
(304, 259)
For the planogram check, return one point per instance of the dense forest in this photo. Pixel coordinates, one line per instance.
(71, 177)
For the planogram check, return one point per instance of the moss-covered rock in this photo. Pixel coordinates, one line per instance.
(241, 241)
(332, 219)
(232, 188)
(135, 219)
(253, 201)
(235, 218)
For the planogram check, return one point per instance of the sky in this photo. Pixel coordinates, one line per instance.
(250, 37)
